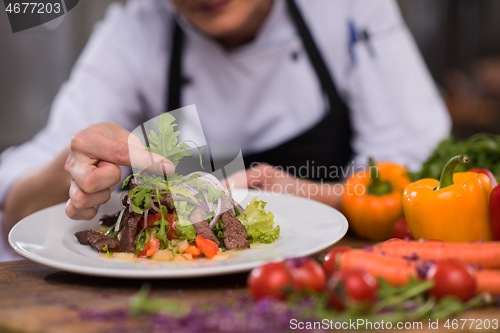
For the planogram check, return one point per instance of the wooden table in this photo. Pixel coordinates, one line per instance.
(35, 298)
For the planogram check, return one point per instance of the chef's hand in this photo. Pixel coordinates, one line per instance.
(270, 179)
(94, 161)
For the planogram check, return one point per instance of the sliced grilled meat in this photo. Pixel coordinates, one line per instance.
(109, 220)
(235, 234)
(97, 240)
(130, 222)
(199, 220)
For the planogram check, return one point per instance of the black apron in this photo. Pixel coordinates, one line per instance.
(319, 152)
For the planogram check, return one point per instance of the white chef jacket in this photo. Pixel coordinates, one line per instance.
(256, 96)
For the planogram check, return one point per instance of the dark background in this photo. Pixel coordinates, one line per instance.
(458, 38)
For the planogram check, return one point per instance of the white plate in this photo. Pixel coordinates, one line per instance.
(47, 237)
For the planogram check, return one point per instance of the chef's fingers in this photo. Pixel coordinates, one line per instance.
(81, 200)
(109, 142)
(91, 175)
(237, 180)
(80, 214)
(256, 177)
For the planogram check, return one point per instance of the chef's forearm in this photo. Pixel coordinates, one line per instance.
(35, 190)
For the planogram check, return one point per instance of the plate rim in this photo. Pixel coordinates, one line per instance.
(174, 274)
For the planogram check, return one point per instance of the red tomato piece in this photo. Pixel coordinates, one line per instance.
(153, 246)
(452, 278)
(270, 280)
(206, 246)
(401, 230)
(329, 263)
(307, 274)
(152, 218)
(352, 286)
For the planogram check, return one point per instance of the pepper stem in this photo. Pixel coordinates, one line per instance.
(448, 170)
(377, 187)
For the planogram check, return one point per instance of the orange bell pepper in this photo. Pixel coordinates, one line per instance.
(373, 211)
(454, 209)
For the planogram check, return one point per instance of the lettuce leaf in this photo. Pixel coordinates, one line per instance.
(259, 223)
(184, 228)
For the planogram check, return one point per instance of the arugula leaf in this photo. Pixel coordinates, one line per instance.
(165, 143)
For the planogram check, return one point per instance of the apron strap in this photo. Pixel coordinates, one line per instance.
(173, 98)
(317, 61)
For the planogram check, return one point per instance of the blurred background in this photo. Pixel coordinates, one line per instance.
(459, 39)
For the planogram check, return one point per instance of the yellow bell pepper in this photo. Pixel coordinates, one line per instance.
(373, 212)
(454, 209)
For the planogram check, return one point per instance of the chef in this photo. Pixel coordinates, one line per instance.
(292, 82)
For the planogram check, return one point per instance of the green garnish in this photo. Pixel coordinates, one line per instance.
(166, 143)
(109, 253)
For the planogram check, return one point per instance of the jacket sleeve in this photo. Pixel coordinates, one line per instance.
(397, 112)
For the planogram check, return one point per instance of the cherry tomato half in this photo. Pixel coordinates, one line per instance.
(401, 230)
(329, 262)
(452, 278)
(272, 280)
(352, 286)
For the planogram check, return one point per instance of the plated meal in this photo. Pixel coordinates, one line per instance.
(179, 217)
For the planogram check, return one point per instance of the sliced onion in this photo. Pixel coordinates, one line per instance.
(153, 206)
(217, 213)
(119, 220)
(198, 202)
(210, 203)
(122, 196)
(240, 208)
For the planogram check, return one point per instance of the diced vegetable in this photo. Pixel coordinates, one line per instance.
(193, 250)
(221, 256)
(163, 256)
(182, 247)
(206, 246)
(151, 247)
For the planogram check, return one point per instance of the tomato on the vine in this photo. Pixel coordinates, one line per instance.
(329, 261)
(452, 278)
(272, 280)
(352, 287)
